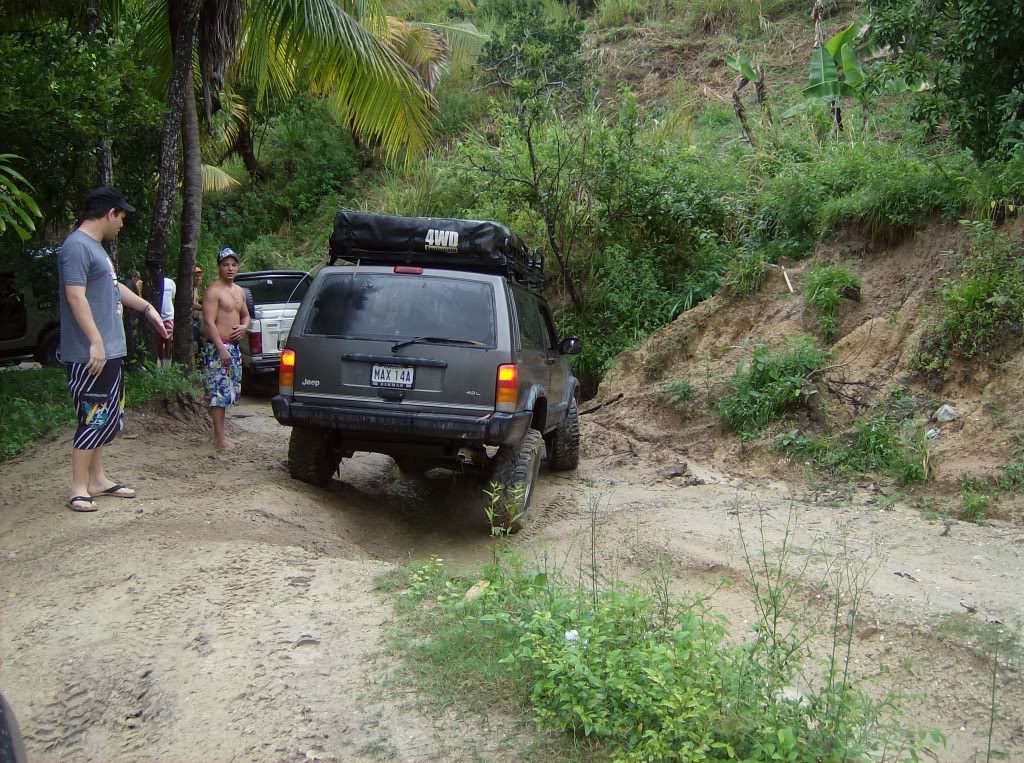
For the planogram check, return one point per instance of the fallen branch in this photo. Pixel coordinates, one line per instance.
(599, 406)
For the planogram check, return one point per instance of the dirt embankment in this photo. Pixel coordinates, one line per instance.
(879, 336)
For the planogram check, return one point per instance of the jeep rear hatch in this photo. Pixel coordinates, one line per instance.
(419, 340)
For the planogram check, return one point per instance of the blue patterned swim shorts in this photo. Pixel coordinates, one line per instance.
(223, 383)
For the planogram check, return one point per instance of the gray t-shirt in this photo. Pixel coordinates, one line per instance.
(84, 262)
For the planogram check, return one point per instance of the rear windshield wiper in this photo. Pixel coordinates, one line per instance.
(433, 340)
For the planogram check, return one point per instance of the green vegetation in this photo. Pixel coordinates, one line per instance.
(747, 272)
(633, 675)
(975, 499)
(679, 393)
(772, 383)
(983, 305)
(878, 444)
(973, 86)
(1013, 476)
(36, 403)
(825, 288)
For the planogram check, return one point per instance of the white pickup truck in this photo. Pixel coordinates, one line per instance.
(273, 298)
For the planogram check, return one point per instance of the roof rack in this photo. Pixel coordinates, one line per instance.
(473, 245)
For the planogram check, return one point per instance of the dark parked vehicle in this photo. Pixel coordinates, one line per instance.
(428, 340)
(29, 313)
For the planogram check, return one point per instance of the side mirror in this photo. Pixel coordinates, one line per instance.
(570, 346)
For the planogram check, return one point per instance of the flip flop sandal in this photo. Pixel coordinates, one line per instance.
(80, 499)
(114, 491)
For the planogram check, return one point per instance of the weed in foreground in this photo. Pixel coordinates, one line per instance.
(639, 677)
(975, 499)
(679, 393)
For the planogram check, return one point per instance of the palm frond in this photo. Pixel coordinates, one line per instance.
(359, 74)
(217, 179)
(463, 39)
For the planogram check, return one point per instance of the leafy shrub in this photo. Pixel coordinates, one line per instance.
(825, 287)
(641, 677)
(988, 298)
(771, 384)
(1013, 476)
(885, 188)
(679, 393)
(878, 444)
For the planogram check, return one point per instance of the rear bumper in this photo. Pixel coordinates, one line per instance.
(261, 365)
(362, 424)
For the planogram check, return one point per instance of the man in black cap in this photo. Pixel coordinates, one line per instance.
(92, 341)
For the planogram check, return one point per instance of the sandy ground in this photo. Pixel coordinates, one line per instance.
(228, 613)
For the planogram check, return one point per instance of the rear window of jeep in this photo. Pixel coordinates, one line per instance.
(391, 307)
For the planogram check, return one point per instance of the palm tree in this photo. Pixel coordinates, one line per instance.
(337, 48)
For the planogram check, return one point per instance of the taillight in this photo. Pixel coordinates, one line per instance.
(408, 270)
(286, 373)
(256, 343)
(507, 391)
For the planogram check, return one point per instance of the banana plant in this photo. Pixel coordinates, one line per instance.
(836, 73)
(748, 72)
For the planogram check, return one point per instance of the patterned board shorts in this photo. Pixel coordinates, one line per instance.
(99, 403)
(223, 384)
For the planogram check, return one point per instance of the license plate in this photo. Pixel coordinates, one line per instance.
(392, 376)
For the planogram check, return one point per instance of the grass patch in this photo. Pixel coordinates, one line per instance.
(35, 403)
(879, 444)
(747, 272)
(680, 393)
(772, 383)
(975, 499)
(633, 675)
(825, 288)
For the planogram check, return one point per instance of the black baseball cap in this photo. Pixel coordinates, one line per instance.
(106, 197)
(226, 252)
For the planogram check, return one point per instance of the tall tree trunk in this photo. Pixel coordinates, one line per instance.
(245, 148)
(191, 215)
(182, 15)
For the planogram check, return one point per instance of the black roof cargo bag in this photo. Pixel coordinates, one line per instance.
(475, 245)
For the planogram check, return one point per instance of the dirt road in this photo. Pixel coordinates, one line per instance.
(228, 613)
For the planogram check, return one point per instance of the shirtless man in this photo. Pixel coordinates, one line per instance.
(226, 317)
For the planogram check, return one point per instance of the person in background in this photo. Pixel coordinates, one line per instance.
(92, 342)
(135, 282)
(197, 307)
(163, 350)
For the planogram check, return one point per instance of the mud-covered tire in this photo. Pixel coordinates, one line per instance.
(46, 352)
(312, 456)
(564, 443)
(410, 468)
(517, 466)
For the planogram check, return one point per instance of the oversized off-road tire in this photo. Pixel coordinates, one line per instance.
(514, 469)
(564, 443)
(46, 352)
(312, 456)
